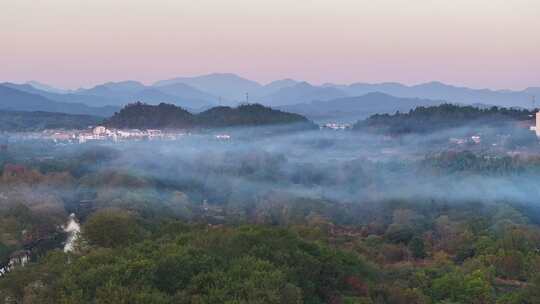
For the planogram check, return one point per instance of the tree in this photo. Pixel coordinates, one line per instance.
(532, 293)
(399, 233)
(473, 288)
(247, 280)
(111, 228)
(4, 252)
(417, 248)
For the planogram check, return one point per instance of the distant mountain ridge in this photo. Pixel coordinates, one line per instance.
(227, 86)
(302, 92)
(17, 100)
(46, 87)
(205, 91)
(71, 97)
(438, 90)
(355, 108)
(288, 91)
(121, 93)
(126, 92)
(275, 86)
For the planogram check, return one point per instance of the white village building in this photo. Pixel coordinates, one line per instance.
(536, 127)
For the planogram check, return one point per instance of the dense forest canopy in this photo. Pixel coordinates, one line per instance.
(13, 121)
(445, 116)
(163, 116)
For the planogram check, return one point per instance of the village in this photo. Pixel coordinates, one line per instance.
(103, 134)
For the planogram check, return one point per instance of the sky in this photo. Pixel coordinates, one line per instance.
(73, 43)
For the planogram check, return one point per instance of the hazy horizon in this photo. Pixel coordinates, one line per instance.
(75, 43)
(151, 82)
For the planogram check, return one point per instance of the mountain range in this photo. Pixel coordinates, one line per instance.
(450, 93)
(202, 92)
(351, 109)
(17, 100)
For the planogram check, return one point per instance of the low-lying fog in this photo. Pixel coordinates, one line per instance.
(340, 166)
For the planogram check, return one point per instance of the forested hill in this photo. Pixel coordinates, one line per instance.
(17, 121)
(144, 116)
(445, 116)
(250, 115)
(163, 116)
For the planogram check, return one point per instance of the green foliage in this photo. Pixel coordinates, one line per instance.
(112, 228)
(248, 115)
(4, 252)
(417, 248)
(445, 116)
(15, 121)
(143, 116)
(466, 288)
(532, 292)
(467, 161)
(399, 233)
(247, 280)
(241, 265)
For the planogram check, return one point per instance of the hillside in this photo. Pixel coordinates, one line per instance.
(124, 92)
(196, 93)
(225, 85)
(121, 93)
(301, 92)
(45, 87)
(144, 116)
(66, 97)
(16, 121)
(274, 86)
(445, 116)
(355, 108)
(17, 100)
(437, 90)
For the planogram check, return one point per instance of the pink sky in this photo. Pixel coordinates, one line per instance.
(72, 43)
